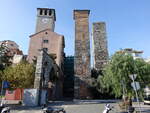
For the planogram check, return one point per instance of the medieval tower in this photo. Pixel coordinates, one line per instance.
(100, 52)
(82, 70)
(45, 19)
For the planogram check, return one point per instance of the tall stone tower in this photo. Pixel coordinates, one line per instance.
(45, 19)
(100, 50)
(82, 54)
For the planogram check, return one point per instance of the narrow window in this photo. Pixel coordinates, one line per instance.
(50, 12)
(41, 11)
(45, 12)
(45, 41)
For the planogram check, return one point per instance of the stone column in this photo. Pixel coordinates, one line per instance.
(82, 54)
(39, 71)
(100, 50)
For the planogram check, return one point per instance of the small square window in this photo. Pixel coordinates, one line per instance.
(45, 41)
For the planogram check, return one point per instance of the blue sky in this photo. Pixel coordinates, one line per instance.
(127, 21)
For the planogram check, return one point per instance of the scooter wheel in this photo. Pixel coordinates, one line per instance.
(62, 111)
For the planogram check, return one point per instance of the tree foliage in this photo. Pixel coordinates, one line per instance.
(4, 58)
(20, 75)
(116, 73)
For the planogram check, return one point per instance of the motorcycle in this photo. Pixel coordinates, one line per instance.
(53, 110)
(3, 108)
(107, 108)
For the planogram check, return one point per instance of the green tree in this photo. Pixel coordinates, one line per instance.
(20, 75)
(4, 58)
(116, 73)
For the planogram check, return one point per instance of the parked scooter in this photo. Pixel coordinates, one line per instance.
(3, 108)
(53, 109)
(107, 108)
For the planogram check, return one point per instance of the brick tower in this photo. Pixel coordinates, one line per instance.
(82, 54)
(100, 50)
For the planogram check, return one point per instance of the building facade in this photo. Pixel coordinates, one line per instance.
(82, 69)
(12, 47)
(46, 48)
(135, 53)
(45, 37)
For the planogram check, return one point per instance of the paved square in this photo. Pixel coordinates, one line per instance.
(73, 107)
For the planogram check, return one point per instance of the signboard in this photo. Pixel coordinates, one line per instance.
(133, 77)
(135, 85)
(6, 84)
(30, 97)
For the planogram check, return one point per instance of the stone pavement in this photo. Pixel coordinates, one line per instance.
(79, 107)
(144, 108)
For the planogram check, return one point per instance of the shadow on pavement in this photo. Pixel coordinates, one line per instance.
(80, 102)
(20, 107)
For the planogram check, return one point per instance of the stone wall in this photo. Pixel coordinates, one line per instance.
(45, 68)
(100, 45)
